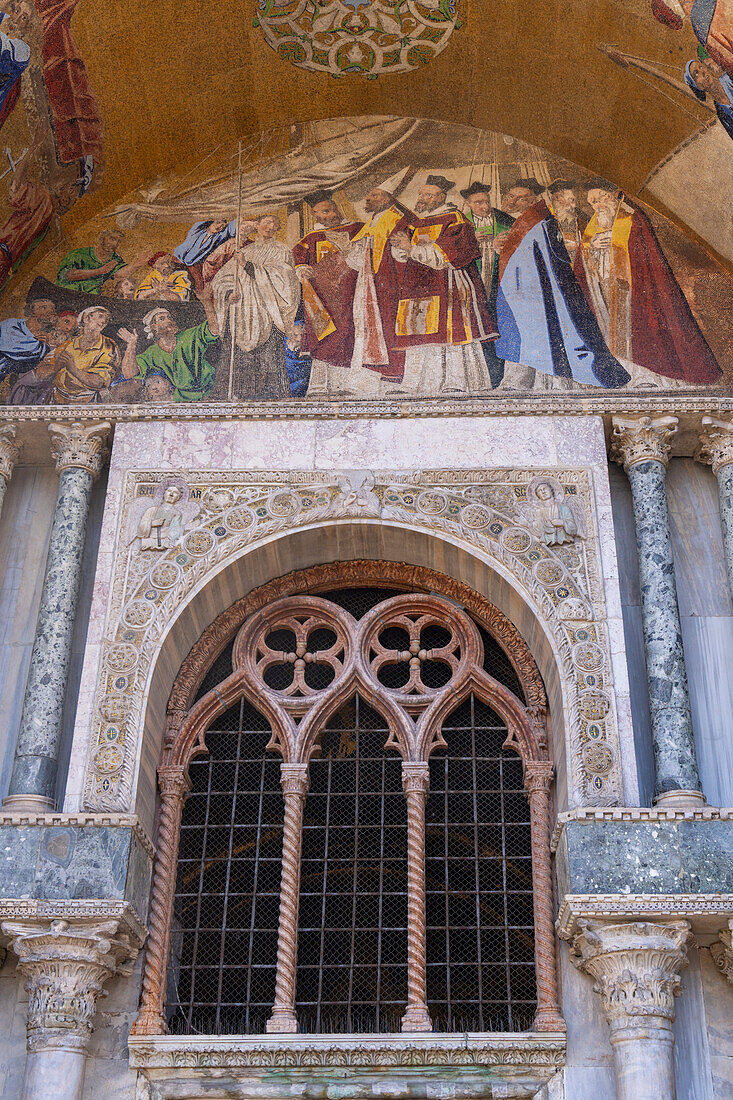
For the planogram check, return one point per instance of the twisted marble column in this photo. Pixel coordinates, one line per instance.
(66, 964)
(295, 783)
(174, 785)
(415, 783)
(716, 447)
(636, 970)
(538, 775)
(642, 444)
(10, 448)
(79, 452)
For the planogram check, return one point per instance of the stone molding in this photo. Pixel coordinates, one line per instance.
(483, 510)
(80, 446)
(10, 449)
(21, 819)
(575, 908)
(513, 403)
(66, 960)
(636, 966)
(722, 952)
(642, 439)
(75, 910)
(588, 815)
(716, 443)
(531, 1053)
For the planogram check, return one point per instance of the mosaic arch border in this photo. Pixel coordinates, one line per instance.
(232, 513)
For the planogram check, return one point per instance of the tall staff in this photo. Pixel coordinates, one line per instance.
(236, 295)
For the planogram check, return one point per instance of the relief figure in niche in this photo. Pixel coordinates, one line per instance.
(643, 314)
(161, 525)
(256, 295)
(548, 515)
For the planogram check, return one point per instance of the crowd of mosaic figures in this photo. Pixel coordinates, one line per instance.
(568, 280)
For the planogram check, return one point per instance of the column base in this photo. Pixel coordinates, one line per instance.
(417, 1018)
(282, 1022)
(549, 1019)
(28, 803)
(680, 800)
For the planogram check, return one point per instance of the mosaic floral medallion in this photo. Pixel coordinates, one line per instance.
(369, 37)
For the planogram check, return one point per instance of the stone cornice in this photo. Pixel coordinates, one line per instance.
(76, 911)
(715, 909)
(636, 813)
(532, 1054)
(20, 819)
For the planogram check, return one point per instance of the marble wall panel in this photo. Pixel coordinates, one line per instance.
(691, 1050)
(718, 1002)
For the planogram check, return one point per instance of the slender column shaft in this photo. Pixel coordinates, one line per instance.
(295, 783)
(79, 452)
(636, 970)
(174, 784)
(538, 776)
(415, 782)
(716, 447)
(10, 449)
(643, 446)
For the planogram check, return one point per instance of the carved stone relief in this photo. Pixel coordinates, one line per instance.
(228, 514)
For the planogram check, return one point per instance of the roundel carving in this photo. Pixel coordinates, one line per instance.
(367, 37)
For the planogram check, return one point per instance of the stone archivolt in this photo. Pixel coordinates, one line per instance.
(483, 510)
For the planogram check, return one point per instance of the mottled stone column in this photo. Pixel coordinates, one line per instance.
(642, 444)
(10, 448)
(538, 776)
(295, 783)
(79, 451)
(636, 970)
(716, 447)
(415, 783)
(66, 966)
(174, 785)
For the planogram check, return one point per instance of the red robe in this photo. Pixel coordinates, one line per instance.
(25, 228)
(665, 337)
(446, 306)
(328, 297)
(75, 112)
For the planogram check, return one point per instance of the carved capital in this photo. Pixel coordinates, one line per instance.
(716, 443)
(66, 965)
(10, 448)
(80, 446)
(722, 952)
(642, 439)
(636, 966)
(415, 777)
(538, 775)
(173, 781)
(294, 779)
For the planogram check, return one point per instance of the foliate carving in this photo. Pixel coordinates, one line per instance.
(642, 439)
(716, 443)
(636, 966)
(10, 448)
(80, 446)
(66, 965)
(294, 779)
(483, 510)
(722, 952)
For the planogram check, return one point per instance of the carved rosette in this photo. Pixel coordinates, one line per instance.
(722, 952)
(636, 967)
(642, 439)
(10, 449)
(716, 443)
(80, 446)
(66, 966)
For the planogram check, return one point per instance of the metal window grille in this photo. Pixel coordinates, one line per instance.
(352, 942)
(479, 917)
(224, 934)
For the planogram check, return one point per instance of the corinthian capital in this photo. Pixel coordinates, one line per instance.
(10, 449)
(722, 952)
(80, 446)
(716, 443)
(415, 777)
(66, 964)
(294, 779)
(635, 966)
(538, 775)
(642, 439)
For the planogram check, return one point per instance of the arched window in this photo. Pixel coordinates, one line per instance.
(364, 842)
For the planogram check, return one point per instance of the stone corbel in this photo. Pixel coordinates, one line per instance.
(722, 952)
